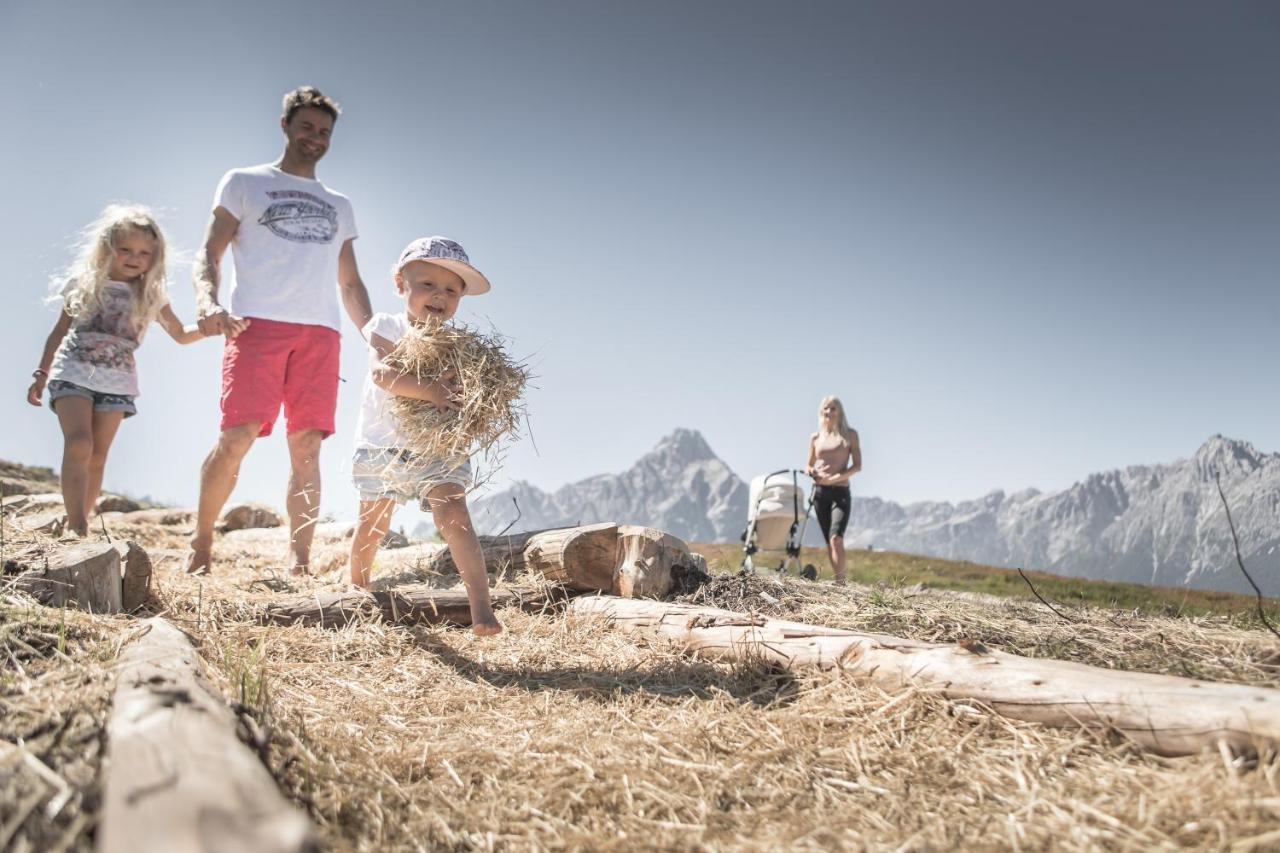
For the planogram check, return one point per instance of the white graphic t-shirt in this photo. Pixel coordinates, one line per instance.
(97, 352)
(286, 248)
(376, 427)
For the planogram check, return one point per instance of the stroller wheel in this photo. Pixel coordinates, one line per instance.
(809, 572)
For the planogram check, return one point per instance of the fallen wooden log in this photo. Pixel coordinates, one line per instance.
(166, 517)
(501, 553)
(1166, 714)
(176, 775)
(326, 533)
(626, 560)
(403, 605)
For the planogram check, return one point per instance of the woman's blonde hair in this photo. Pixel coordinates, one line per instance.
(80, 288)
(842, 425)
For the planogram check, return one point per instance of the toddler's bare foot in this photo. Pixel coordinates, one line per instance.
(200, 558)
(487, 627)
(299, 570)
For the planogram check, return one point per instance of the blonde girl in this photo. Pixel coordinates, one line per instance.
(834, 457)
(113, 290)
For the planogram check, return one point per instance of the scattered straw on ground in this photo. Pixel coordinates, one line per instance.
(564, 734)
(55, 689)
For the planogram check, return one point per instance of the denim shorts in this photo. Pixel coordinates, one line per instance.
(101, 402)
(388, 473)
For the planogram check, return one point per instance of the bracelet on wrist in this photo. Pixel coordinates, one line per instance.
(39, 373)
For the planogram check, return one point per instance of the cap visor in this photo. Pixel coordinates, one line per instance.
(475, 281)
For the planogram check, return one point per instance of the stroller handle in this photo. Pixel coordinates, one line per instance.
(788, 471)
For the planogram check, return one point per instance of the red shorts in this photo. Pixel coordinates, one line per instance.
(272, 363)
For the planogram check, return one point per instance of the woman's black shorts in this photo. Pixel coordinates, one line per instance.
(831, 503)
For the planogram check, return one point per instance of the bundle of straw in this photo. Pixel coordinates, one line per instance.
(490, 388)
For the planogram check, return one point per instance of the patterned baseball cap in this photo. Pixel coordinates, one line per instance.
(446, 253)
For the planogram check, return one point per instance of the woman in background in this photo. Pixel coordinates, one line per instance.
(834, 457)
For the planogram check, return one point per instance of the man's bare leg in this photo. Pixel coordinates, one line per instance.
(218, 477)
(449, 509)
(303, 500)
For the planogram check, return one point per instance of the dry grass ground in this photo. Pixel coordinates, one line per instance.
(563, 734)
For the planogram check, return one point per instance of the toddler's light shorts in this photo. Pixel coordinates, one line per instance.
(390, 473)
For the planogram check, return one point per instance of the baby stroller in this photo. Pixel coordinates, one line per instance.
(774, 520)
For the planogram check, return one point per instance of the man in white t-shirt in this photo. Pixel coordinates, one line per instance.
(291, 237)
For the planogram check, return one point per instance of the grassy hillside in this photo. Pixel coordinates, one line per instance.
(889, 568)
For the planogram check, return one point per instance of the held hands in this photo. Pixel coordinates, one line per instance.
(221, 322)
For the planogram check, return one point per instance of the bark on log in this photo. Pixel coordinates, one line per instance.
(501, 553)
(404, 605)
(177, 778)
(580, 558)
(1166, 714)
(135, 575)
(86, 576)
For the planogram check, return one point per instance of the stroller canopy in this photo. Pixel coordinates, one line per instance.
(775, 496)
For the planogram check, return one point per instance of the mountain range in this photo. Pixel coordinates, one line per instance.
(1152, 524)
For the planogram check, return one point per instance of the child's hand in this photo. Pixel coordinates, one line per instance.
(445, 392)
(36, 391)
(236, 325)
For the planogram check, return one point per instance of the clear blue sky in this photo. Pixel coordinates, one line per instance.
(1023, 242)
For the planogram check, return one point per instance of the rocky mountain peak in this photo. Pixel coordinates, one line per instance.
(683, 446)
(1228, 456)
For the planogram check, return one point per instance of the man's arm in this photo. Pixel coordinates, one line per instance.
(213, 318)
(355, 298)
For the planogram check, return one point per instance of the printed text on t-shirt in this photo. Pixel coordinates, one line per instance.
(300, 217)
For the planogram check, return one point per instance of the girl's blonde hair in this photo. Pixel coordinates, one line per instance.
(842, 425)
(80, 288)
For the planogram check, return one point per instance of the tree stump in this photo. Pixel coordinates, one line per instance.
(645, 560)
(85, 576)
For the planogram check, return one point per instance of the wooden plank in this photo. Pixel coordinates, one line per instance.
(176, 776)
(1166, 714)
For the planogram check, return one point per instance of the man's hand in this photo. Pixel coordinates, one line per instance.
(36, 391)
(222, 322)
